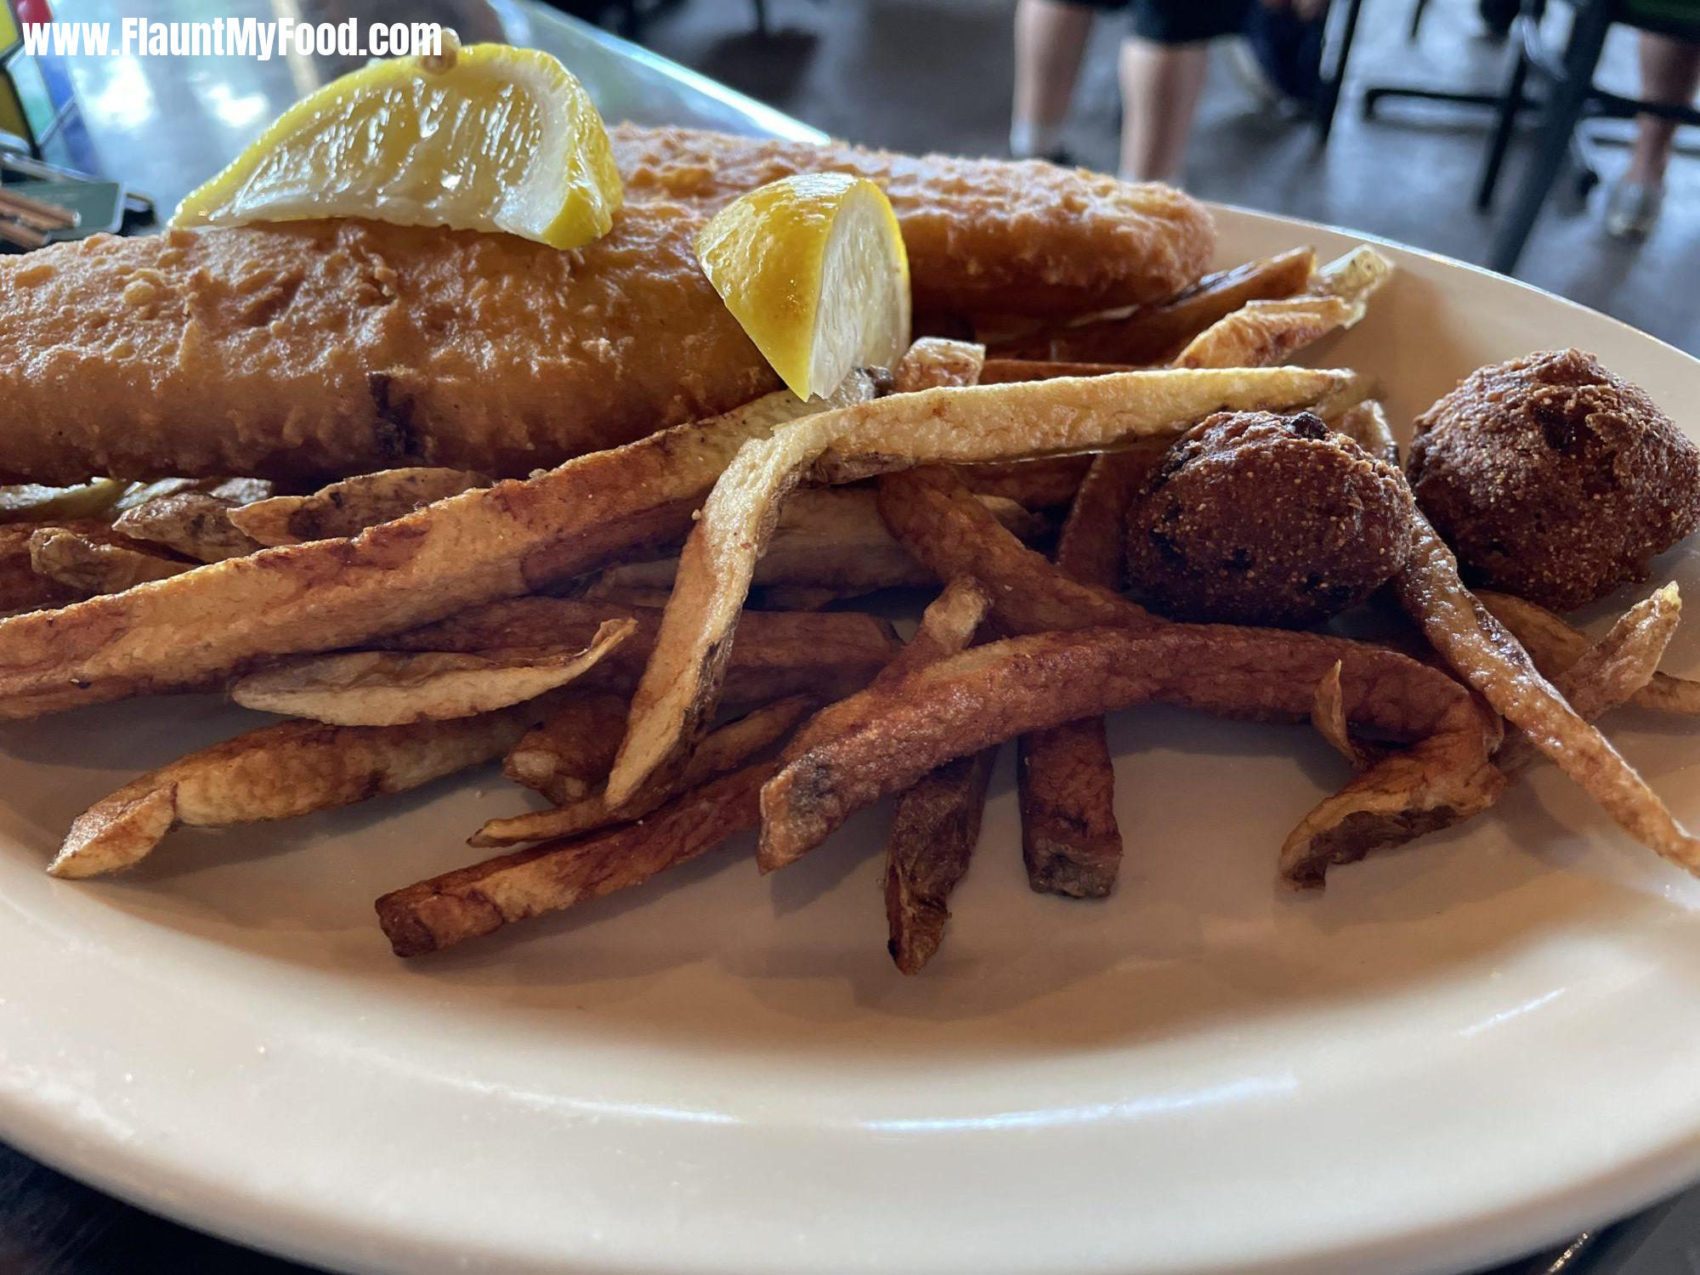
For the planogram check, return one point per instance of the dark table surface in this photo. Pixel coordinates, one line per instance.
(53, 1225)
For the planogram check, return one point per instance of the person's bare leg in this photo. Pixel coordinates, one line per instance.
(1161, 84)
(1050, 40)
(1670, 73)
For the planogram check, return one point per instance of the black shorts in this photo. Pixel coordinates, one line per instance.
(1179, 21)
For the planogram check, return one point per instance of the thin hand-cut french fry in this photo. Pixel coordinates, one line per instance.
(480, 899)
(1609, 672)
(22, 587)
(349, 507)
(393, 688)
(1263, 333)
(1555, 645)
(721, 750)
(484, 545)
(278, 772)
(92, 566)
(828, 538)
(777, 654)
(195, 524)
(927, 852)
(956, 425)
(1484, 654)
(1070, 840)
(567, 755)
(898, 732)
(1154, 333)
(940, 522)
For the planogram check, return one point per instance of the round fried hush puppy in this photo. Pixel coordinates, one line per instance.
(1260, 519)
(1553, 479)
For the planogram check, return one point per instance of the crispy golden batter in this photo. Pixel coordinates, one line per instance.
(984, 235)
(319, 349)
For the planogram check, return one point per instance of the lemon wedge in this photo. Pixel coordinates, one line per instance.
(488, 137)
(813, 268)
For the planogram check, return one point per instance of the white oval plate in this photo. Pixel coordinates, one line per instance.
(1459, 1051)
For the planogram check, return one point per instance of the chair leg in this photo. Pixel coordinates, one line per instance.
(1328, 93)
(1563, 110)
(1504, 126)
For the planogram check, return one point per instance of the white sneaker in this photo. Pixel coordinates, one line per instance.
(1632, 209)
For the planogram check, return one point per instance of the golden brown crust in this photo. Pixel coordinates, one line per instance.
(933, 830)
(984, 235)
(311, 350)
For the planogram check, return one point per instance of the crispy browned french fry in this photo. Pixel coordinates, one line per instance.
(1070, 840)
(1366, 425)
(1609, 672)
(22, 587)
(828, 538)
(721, 750)
(898, 732)
(1153, 334)
(477, 547)
(1036, 484)
(195, 524)
(1263, 333)
(480, 899)
(278, 772)
(92, 566)
(940, 522)
(566, 756)
(395, 688)
(348, 507)
(1555, 646)
(1484, 654)
(927, 852)
(778, 653)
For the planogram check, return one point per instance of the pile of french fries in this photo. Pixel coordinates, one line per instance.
(639, 635)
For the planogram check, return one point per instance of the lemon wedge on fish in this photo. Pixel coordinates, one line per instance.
(487, 137)
(813, 267)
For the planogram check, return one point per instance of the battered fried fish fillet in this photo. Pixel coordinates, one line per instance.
(315, 350)
(984, 236)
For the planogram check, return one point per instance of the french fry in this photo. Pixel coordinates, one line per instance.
(95, 567)
(940, 522)
(278, 772)
(195, 524)
(567, 755)
(1155, 333)
(777, 653)
(1555, 646)
(392, 688)
(828, 538)
(1070, 840)
(721, 750)
(478, 547)
(1034, 484)
(478, 900)
(1266, 332)
(900, 731)
(1480, 650)
(1612, 671)
(1328, 715)
(22, 587)
(927, 852)
(349, 507)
